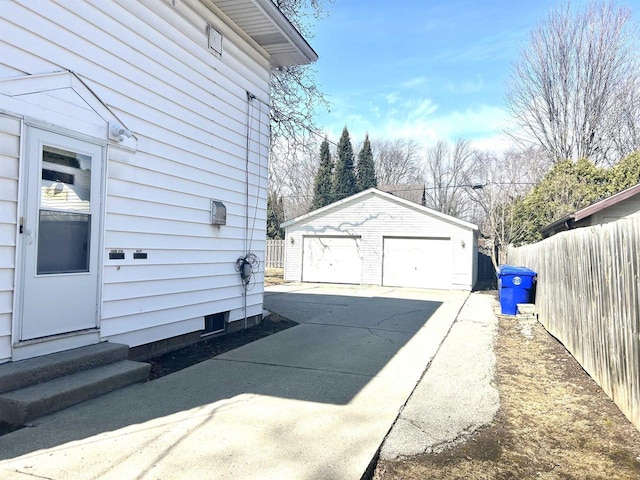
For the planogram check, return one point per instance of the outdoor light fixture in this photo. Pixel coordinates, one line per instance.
(118, 132)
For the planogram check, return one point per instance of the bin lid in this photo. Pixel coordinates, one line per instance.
(511, 270)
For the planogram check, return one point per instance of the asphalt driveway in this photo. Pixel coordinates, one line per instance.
(312, 402)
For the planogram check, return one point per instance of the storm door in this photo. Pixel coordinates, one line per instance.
(60, 233)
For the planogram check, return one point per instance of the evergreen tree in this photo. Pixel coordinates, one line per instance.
(323, 182)
(366, 172)
(625, 173)
(567, 187)
(275, 216)
(344, 179)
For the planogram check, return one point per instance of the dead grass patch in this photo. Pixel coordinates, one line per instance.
(273, 276)
(554, 422)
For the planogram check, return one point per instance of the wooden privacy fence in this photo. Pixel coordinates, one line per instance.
(274, 257)
(588, 297)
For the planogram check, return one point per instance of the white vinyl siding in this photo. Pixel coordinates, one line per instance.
(373, 217)
(188, 109)
(625, 209)
(9, 165)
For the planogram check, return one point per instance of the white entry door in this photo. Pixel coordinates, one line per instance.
(60, 234)
(332, 259)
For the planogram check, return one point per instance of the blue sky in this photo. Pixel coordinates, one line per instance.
(423, 69)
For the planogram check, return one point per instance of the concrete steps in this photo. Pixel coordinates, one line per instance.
(32, 388)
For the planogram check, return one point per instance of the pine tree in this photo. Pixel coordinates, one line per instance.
(275, 216)
(323, 182)
(344, 179)
(366, 172)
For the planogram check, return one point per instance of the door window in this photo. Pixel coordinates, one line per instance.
(64, 233)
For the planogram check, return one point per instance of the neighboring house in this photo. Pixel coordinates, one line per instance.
(133, 168)
(377, 238)
(624, 204)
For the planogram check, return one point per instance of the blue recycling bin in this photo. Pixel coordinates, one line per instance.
(515, 285)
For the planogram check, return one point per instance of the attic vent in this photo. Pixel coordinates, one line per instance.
(214, 323)
(218, 213)
(215, 40)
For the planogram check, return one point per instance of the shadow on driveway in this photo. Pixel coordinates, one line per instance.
(341, 344)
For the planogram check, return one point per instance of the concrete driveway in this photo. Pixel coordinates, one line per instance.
(311, 402)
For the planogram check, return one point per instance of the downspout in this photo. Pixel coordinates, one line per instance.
(568, 224)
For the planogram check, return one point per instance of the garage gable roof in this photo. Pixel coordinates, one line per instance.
(387, 196)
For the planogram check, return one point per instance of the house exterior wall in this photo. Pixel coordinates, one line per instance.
(626, 209)
(374, 217)
(9, 162)
(191, 114)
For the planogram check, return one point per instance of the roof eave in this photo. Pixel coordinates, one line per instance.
(607, 202)
(307, 53)
(552, 227)
(262, 22)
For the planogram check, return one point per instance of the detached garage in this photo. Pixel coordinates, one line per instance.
(377, 238)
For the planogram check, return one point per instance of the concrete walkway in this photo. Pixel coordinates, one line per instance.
(311, 402)
(456, 396)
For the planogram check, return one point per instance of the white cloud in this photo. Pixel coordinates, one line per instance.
(392, 97)
(414, 82)
(423, 121)
(472, 123)
(393, 115)
(423, 109)
(464, 87)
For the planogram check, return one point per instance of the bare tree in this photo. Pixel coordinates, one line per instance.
(397, 162)
(291, 177)
(448, 174)
(295, 96)
(498, 181)
(295, 99)
(626, 135)
(575, 89)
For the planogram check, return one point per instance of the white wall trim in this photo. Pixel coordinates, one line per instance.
(18, 87)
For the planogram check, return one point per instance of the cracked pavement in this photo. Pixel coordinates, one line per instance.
(456, 395)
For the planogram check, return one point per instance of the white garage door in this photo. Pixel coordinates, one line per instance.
(417, 262)
(332, 260)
